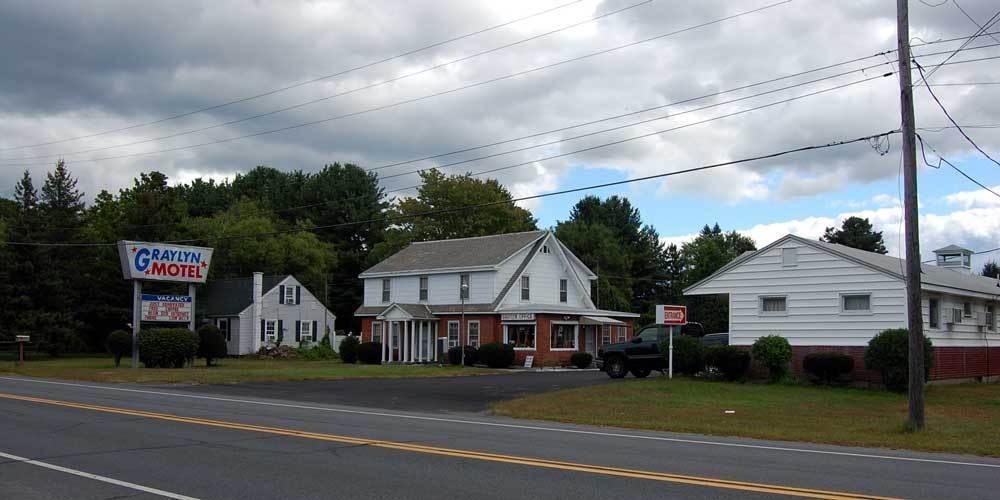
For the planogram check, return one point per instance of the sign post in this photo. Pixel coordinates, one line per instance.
(142, 261)
(671, 316)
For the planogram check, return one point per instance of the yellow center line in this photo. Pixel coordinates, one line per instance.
(467, 454)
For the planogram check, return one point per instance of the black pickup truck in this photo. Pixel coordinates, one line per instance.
(641, 355)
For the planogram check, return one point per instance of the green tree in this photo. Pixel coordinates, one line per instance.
(701, 257)
(151, 210)
(857, 233)
(440, 197)
(991, 270)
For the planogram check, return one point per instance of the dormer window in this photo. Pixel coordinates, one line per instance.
(545, 249)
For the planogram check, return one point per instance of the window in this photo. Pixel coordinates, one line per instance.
(990, 318)
(650, 335)
(773, 305)
(525, 288)
(934, 313)
(423, 288)
(521, 336)
(563, 336)
(290, 294)
(386, 290)
(452, 333)
(463, 287)
(967, 309)
(395, 335)
(223, 325)
(305, 331)
(563, 290)
(789, 257)
(605, 334)
(473, 336)
(622, 333)
(856, 303)
(377, 331)
(270, 331)
(545, 249)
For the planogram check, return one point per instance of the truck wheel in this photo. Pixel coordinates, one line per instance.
(616, 367)
(641, 372)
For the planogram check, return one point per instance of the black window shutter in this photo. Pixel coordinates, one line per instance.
(298, 331)
(281, 329)
(281, 294)
(262, 330)
(315, 335)
(298, 294)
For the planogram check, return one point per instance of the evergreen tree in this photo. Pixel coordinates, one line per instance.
(991, 270)
(858, 233)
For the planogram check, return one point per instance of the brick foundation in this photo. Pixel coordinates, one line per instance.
(949, 362)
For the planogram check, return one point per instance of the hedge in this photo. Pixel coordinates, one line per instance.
(455, 355)
(888, 354)
(349, 350)
(370, 353)
(211, 343)
(827, 367)
(496, 355)
(689, 354)
(581, 359)
(120, 344)
(167, 347)
(730, 361)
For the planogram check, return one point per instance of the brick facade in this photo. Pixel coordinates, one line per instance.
(949, 362)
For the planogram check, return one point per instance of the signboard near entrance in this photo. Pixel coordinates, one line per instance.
(671, 315)
(528, 361)
(167, 308)
(162, 262)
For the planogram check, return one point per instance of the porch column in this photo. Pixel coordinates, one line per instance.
(413, 341)
(434, 340)
(392, 345)
(409, 333)
(423, 341)
(385, 346)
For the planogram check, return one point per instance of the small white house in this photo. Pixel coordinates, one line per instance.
(827, 297)
(262, 310)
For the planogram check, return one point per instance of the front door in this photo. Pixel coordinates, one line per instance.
(590, 340)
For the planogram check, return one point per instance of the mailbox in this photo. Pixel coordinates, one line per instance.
(23, 338)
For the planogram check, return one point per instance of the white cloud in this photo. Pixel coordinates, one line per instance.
(978, 198)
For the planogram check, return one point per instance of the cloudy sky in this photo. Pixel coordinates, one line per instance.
(77, 77)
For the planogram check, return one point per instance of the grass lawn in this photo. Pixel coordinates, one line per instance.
(960, 418)
(228, 371)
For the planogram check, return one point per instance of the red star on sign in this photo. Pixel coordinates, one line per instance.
(204, 264)
(134, 249)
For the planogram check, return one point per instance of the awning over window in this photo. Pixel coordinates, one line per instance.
(599, 320)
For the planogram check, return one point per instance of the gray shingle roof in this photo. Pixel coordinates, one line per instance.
(482, 251)
(953, 249)
(230, 296)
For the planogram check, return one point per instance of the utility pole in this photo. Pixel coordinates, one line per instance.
(914, 314)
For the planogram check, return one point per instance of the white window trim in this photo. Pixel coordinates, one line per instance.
(622, 333)
(611, 335)
(423, 293)
(268, 337)
(563, 281)
(520, 288)
(381, 331)
(290, 295)
(468, 332)
(930, 314)
(760, 305)
(506, 338)
(447, 332)
(576, 336)
(386, 297)
(795, 257)
(843, 295)
(972, 310)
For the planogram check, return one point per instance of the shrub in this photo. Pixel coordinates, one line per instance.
(167, 347)
(455, 355)
(827, 367)
(370, 353)
(689, 354)
(730, 361)
(326, 340)
(315, 353)
(774, 352)
(888, 354)
(349, 350)
(120, 344)
(496, 355)
(581, 359)
(471, 355)
(211, 343)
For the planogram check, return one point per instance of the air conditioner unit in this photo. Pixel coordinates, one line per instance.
(956, 315)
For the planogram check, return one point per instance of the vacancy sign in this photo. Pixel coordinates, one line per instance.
(166, 308)
(671, 315)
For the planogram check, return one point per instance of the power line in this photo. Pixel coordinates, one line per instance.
(952, 120)
(339, 94)
(942, 159)
(982, 27)
(969, 84)
(300, 84)
(429, 96)
(979, 32)
(398, 218)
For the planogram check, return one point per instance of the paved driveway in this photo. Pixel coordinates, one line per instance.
(436, 394)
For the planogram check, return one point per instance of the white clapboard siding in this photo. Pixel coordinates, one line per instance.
(508, 268)
(442, 288)
(544, 272)
(966, 334)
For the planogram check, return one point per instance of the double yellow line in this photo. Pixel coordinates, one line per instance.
(466, 454)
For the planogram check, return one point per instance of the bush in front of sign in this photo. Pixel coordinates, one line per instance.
(211, 343)
(689, 354)
(731, 362)
(496, 355)
(120, 345)
(370, 353)
(167, 347)
(349, 350)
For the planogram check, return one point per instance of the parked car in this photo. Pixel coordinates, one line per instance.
(641, 355)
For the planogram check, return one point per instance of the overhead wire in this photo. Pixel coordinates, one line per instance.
(300, 84)
(942, 159)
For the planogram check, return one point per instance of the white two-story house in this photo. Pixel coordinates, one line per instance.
(525, 289)
(826, 297)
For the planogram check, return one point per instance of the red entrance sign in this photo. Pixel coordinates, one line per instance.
(671, 315)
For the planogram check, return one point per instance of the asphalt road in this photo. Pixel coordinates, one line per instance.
(142, 442)
(431, 394)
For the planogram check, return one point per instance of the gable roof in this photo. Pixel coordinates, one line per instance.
(893, 266)
(462, 253)
(230, 296)
(953, 249)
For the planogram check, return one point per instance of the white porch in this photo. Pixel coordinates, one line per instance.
(408, 338)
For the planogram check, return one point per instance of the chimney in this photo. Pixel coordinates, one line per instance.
(955, 258)
(258, 290)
